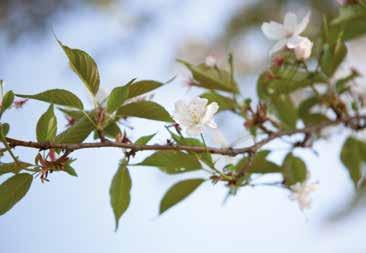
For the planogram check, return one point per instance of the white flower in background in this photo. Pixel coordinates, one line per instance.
(210, 61)
(301, 46)
(195, 115)
(300, 192)
(287, 33)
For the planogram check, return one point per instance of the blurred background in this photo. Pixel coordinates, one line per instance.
(143, 38)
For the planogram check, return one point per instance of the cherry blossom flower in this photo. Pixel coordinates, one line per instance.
(300, 192)
(302, 47)
(210, 61)
(287, 33)
(195, 115)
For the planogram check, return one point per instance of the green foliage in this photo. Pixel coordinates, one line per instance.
(112, 130)
(78, 132)
(84, 66)
(204, 157)
(285, 110)
(5, 128)
(7, 101)
(294, 170)
(305, 113)
(178, 193)
(13, 167)
(47, 126)
(144, 139)
(172, 162)
(212, 77)
(260, 164)
(13, 190)
(350, 12)
(333, 56)
(224, 103)
(117, 97)
(142, 87)
(353, 156)
(69, 169)
(120, 191)
(146, 110)
(57, 97)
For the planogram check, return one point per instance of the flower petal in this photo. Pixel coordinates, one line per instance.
(278, 46)
(197, 107)
(273, 30)
(303, 24)
(212, 124)
(180, 106)
(182, 114)
(211, 109)
(290, 22)
(294, 41)
(194, 130)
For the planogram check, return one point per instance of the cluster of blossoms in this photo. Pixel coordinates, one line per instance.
(196, 115)
(288, 36)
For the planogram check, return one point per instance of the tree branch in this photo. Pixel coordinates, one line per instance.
(353, 122)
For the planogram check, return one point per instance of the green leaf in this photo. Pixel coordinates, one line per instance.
(172, 162)
(117, 97)
(352, 156)
(84, 66)
(112, 130)
(224, 103)
(305, 113)
(350, 12)
(120, 191)
(212, 78)
(285, 110)
(76, 115)
(70, 170)
(57, 97)
(259, 164)
(7, 101)
(13, 167)
(144, 139)
(146, 110)
(5, 128)
(294, 170)
(78, 132)
(13, 190)
(342, 84)
(333, 56)
(204, 157)
(142, 87)
(47, 126)
(178, 193)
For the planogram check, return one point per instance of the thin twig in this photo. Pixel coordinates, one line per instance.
(348, 121)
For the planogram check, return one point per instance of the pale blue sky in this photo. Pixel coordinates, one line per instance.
(73, 214)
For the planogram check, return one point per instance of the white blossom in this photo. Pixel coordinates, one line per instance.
(300, 192)
(287, 33)
(195, 115)
(302, 47)
(210, 61)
